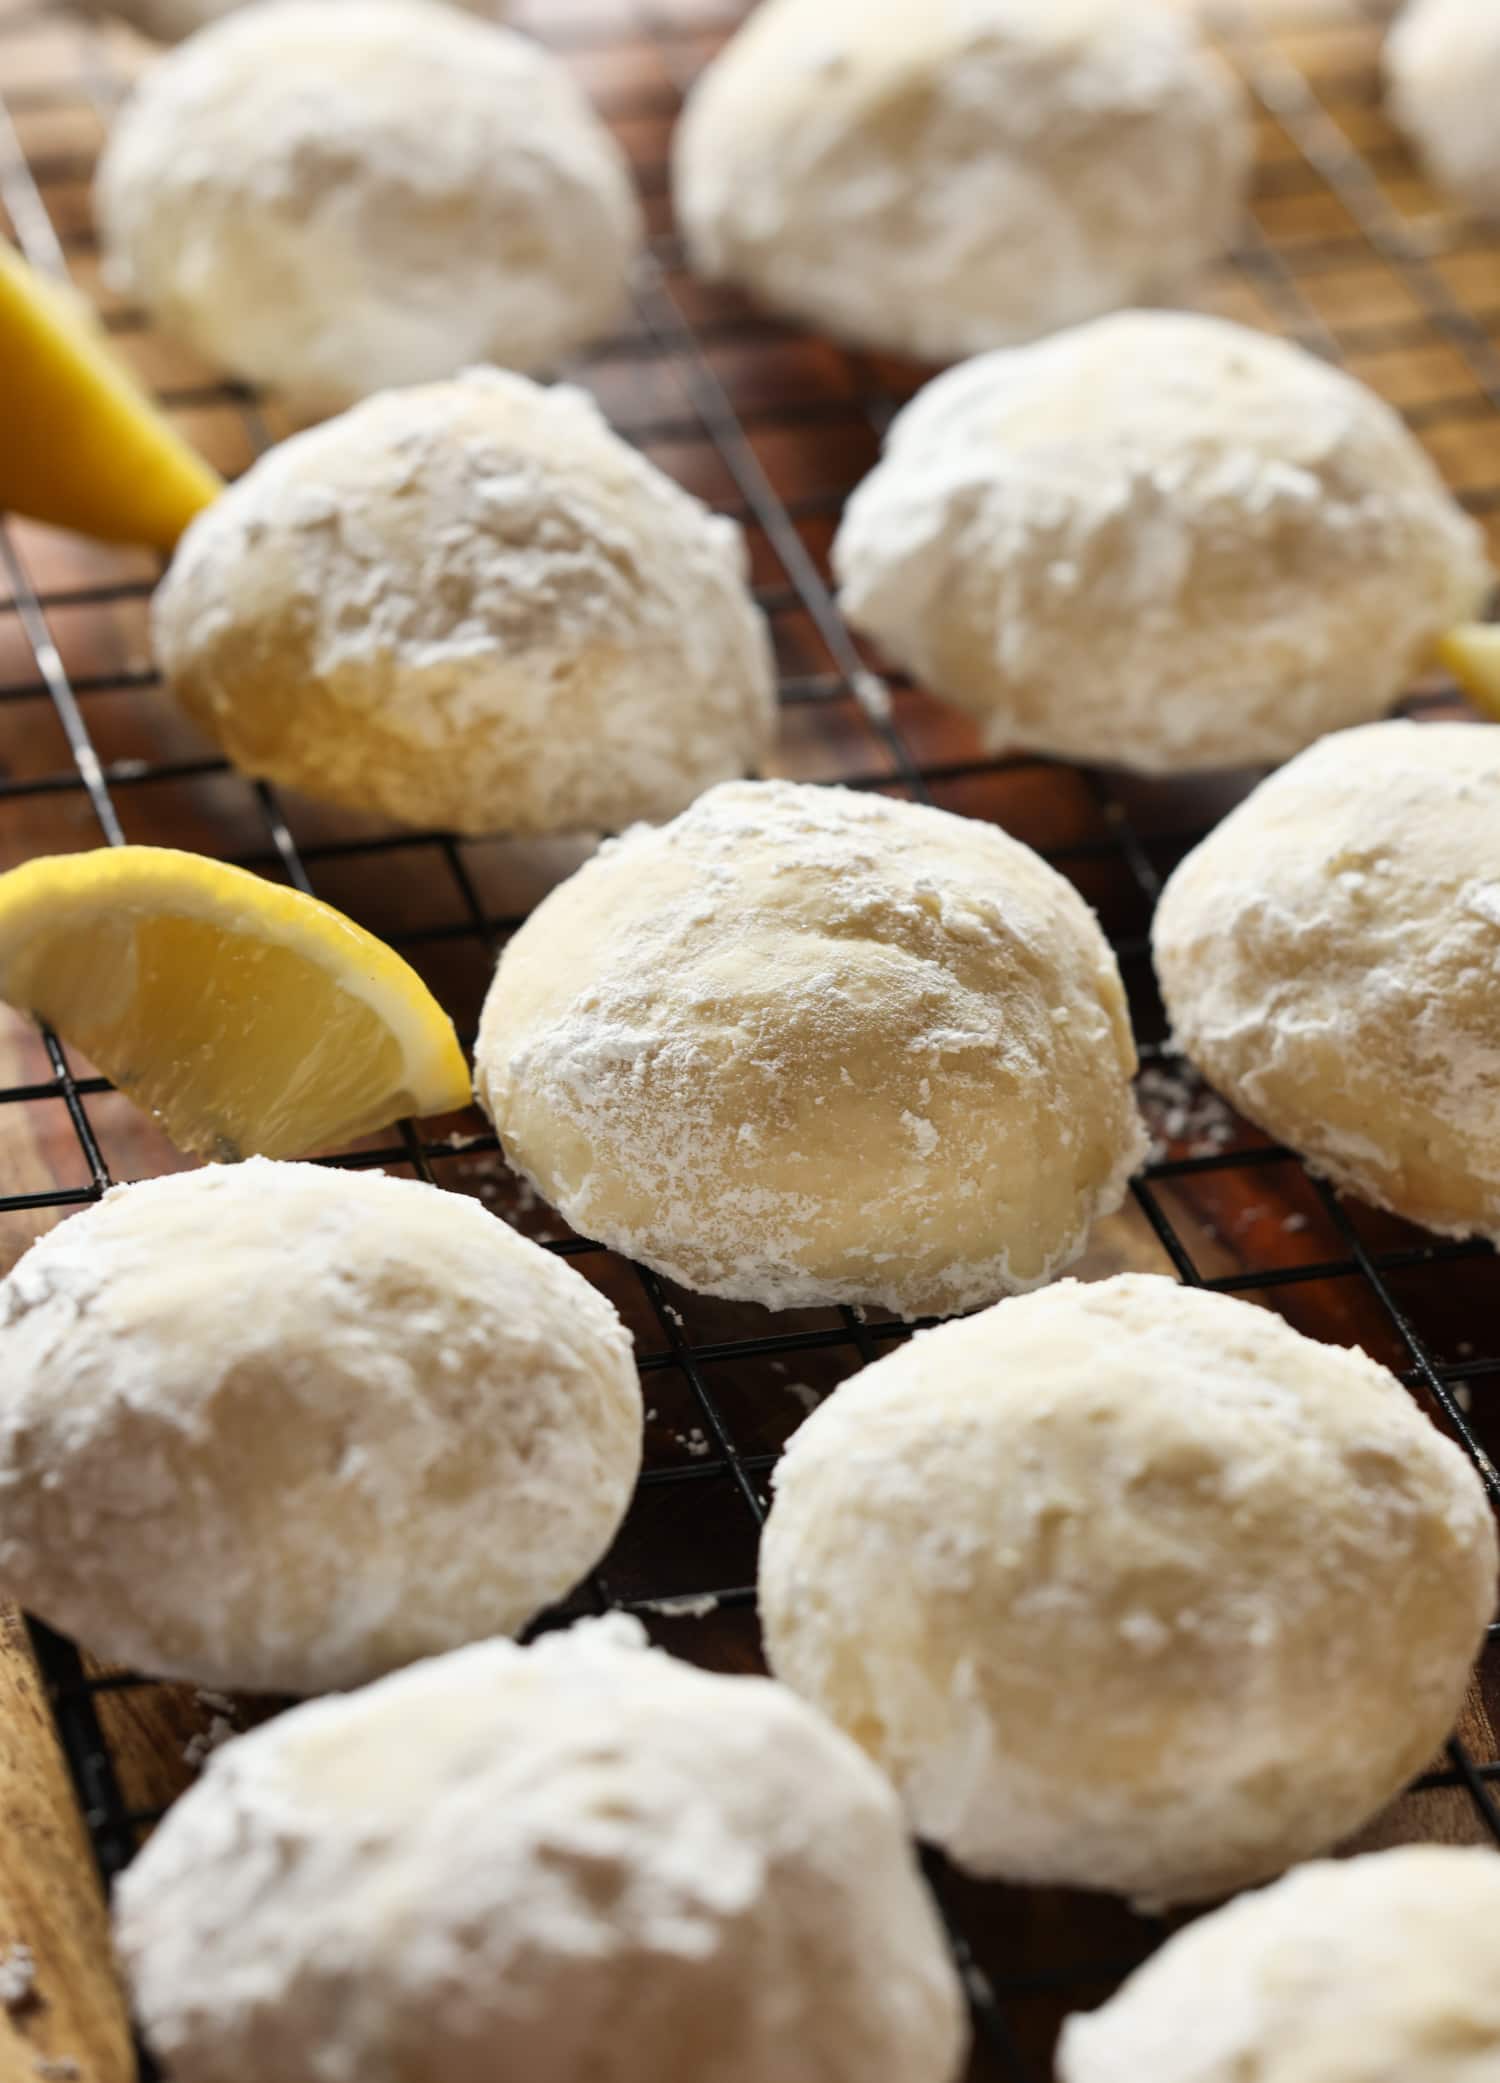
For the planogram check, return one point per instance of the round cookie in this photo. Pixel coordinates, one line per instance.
(282, 1427)
(937, 177)
(1160, 541)
(1129, 1586)
(169, 21)
(578, 1859)
(1442, 69)
(470, 605)
(1329, 958)
(804, 1046)
(332, 199)
(1384, 1969)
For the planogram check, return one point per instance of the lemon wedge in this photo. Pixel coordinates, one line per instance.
(84, 447)
(1471, 652)
(248, 1018)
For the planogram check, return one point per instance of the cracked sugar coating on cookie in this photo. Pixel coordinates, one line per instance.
(577, 1859)
(1384, 1969)
(1160, 541)
(1442, 69)
(471, 605)
(1330, 960)
(332, 199)
(804, 1045)
(937, 177)
(1129, 1586)
(284, 1427)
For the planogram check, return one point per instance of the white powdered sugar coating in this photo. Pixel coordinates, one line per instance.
(1129, 1586)
(17, 1978)
(471, 604)
(1383, 1969)
(169, 21)
(937, 177)
(804, 1045)
(332, 199)
(1161, 541)
(283, 1427)
(582, 1859)
(1442, 69)
(1330, 960)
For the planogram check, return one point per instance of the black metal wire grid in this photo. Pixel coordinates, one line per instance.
(1331, 258)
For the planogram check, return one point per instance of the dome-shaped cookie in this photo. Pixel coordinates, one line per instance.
(1129, 1586)
(471, 605)
(335, 198)
(1442, 69)
(576, 1860)
(1384, 1969)
(282, 1427)
(937, 177)
(804, 1045)
(1160, 541)
(1330, 960)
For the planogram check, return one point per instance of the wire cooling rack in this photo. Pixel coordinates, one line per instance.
(1346, 251)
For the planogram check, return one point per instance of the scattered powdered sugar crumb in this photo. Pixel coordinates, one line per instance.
(215, 1702)
(697, 1607)
(696, 1441)
(493, 1180)
(1184, 1111)
(1463, 1396)
(921, 1131)
(805, 1394)
(1144, 1631)
(978, 1984)
(873, 696)
(1248, 1217)
(198, 1749)
(528, 1200)
(1293, 1224)
(17, 1978)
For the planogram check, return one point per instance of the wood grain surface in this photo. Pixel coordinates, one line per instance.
(72, 2023)
(51, 1902)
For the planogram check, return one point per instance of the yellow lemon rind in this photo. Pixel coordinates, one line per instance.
(166, 881)
(1471, 653)
(86, 447)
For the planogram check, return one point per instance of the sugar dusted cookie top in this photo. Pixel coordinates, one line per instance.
(1160, 541)
(1384, 1969)
(577, 1859)
(471, 604)
(1129, 1586)
(282, 1427)
(807, 1045)
(937, 177)
(333, 198)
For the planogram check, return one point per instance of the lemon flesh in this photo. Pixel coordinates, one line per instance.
(250, 1020)
(84, 447)
(1471, 652)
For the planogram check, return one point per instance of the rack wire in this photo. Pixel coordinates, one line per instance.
(1346, 251)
